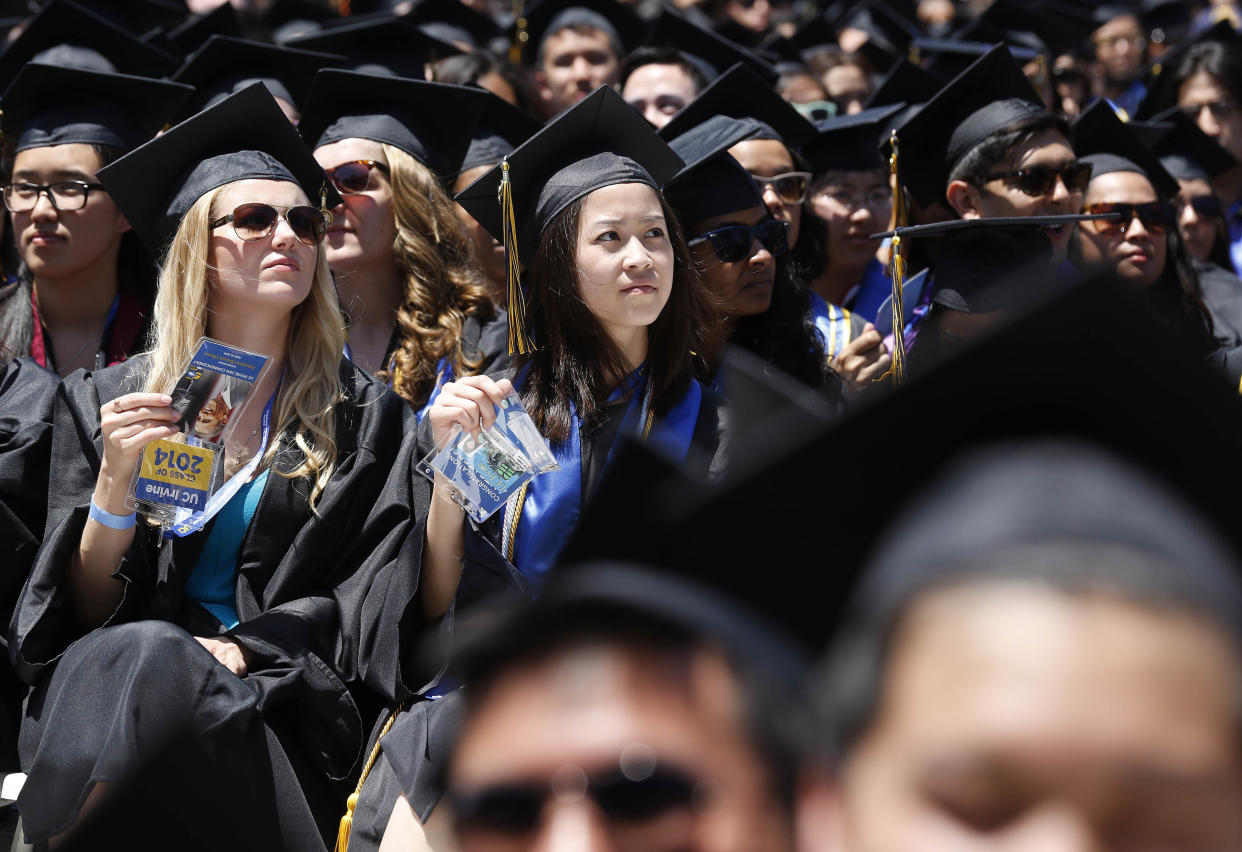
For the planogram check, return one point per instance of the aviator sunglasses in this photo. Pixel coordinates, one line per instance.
(1041, 180)
(255, 221)
(732, 242)
(1156, 216)
(354, 176)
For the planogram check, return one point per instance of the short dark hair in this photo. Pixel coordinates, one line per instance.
(661, 56)
(582, 29)
(979, 162)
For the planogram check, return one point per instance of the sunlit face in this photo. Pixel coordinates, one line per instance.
(847, 87)
(1137, 255)
(1120, 46)
(68, 243)
(1214, 109)
(768, 158)
(1018, 717)
(488, 251)
(271, 275)
(743, 288)
(499, 86)
(576, 62)
(855, 205)
(1198, 232)
(625, 257)
(755, 15)
(658, 91)
(364, 225)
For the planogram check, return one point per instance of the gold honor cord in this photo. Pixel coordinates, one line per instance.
(519, 343)
(897, 266)
(347, 821)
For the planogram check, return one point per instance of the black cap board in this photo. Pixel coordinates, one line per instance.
(1186, 144)
(192, 33)
(289, 19)
(224, 65)
(851, 143)
(948, 58)
(1102, 139)
(500, 129)
(547, 17)
(139, 16)
(402, 112)
(905, 82)
(711, 53)
(739, 93)
(712, 183)
(990, 96)
(245, 136)
(889, 28)
(47, 105)
(453, 21)
(390, 46)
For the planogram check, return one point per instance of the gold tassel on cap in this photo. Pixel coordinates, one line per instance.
(519, 343)
(897, 265)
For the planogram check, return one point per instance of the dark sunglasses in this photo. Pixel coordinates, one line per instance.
(732, 242)
(1206, 206)
(255, 221)
(1156, 216)
(789, 187)
(516, 809)
(353, 177)
(1041, 180)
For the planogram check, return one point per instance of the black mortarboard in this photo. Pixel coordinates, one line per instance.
(739, 93)
(851, 143)
(245, 136)
(600, 141)
(390, 46)
(948, 58)
(449, 20)
(907, 83)
(890, 28)
(990, 96)
(289, 19)
(501, 128)
(1186, 146)
(546, 17)
(65, 34)
(402, 112)
(1102, 139)
(711, 183)
(47, 105)
(1062, 27)
(709, 52)
(191, 34)
(1150, 133)
(139, 16)
(225, 65)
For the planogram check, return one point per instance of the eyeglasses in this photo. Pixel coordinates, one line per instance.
(876, 199)
(1220, 109)
(1134, 40)
(517, 808)
(354, 176)
(1156, 216)
(732, 242)
(1041, 180)
(65, 195)
(255, 221)
(789, 187)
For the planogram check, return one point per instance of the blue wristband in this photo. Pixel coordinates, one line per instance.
(111, 521)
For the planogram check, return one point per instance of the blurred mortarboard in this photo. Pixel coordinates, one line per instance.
(815, 33)
(1185, 148)
(139, 16)
(243, 137)
(500, 130)
(192, 33)
(947, 58)
(905, 82)
(48, 105)
(851, 143)
(1098, 136)
(739, 93)
(1150, 132)
(397, 111)
(66, 34)
(224, 65)
(990, 96)
(546, 17)
(711, 53)
(889, 30)
(390, 46)
(1104, 12)
(712, 183)
(1062, 27)
(600, 141)
(453, 21)
(289, 19)
(1165, 21)
(1159, 78)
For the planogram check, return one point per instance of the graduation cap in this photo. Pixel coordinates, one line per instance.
(245, 136)
(990, 96)
(851, 143)
(64, 33)
(1159, 81)
(546, 17)
(501, 128)
(452, 21)
(889, 30)
(1186, 150)
(1099, 137)
(403, 112)
(1063, 27)
(48, 105)
(390, 46)
(739, 93)
(948, 58)
(192, 33)
(600, 141)
(712, 183)
(139, 16)
(706, 50)
(905, 82)
(224, 65)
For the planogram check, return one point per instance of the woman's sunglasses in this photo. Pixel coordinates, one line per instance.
(1156, 216)
(1206, 206)
(255, 221)
(789, 187)
(355, 176)
(732, 242)
(1041, 180)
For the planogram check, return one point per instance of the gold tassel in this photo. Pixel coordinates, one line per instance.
(347, 821)
(897, 265)
(519, 343)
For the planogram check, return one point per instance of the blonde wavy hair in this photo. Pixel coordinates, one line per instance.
(443, 283)
(311, 387)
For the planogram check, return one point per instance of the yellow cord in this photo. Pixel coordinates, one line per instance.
(519, 343)
(347, 821)
(897, 266)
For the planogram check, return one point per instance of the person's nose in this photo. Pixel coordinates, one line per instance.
(1060, 192)
(282, 235)
(760, 257)
(1136, 230)
(1189, 216)
(44, 209)
(637, 258)
(581, 68)
(772, 201)
(1207, 122)
(572, 827)
(1057, 830)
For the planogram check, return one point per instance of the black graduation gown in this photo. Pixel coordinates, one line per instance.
(328, 629)
(1222, 293)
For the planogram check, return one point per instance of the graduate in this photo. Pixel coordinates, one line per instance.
(243, 641)
(419, 309)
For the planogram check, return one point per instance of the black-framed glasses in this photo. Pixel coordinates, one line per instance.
(1205, 206)
(255, 221)
(516, 808)
(1041, 180)
(354, 176)
(732, 242)
(1156, 216)
(1220, 109)
(65, 196)
(789, 187)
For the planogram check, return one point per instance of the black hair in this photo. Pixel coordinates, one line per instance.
(661, 56)
(467, 68)
(1222, 61)
(981, 160)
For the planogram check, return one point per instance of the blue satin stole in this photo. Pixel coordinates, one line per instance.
(832, 323)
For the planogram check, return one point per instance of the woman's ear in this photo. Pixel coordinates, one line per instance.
(965, 199)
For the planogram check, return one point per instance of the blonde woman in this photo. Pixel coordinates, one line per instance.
(419, 309)
(226, 660)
